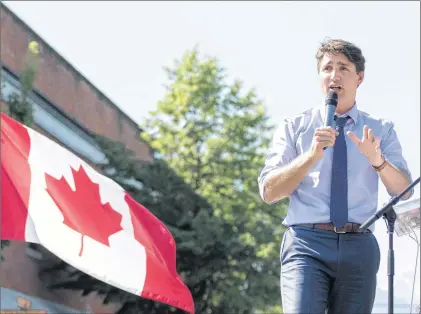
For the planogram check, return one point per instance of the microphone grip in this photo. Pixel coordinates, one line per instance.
(329, 116)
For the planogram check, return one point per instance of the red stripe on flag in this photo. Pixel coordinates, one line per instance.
(162, 282)
(15, 179)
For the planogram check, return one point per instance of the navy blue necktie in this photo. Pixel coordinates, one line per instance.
(339, 182)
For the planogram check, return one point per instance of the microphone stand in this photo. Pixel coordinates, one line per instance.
(389, 215)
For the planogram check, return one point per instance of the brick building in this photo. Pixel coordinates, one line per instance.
(68, 109)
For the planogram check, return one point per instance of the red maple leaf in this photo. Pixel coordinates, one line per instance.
(82, 209)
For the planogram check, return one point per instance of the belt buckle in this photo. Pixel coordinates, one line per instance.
(340, 230)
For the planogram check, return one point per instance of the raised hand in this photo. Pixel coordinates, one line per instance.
(369, 146)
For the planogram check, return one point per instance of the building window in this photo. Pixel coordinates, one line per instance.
(58, 126)
(54, 123)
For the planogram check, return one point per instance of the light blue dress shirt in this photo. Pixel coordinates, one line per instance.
(309, 203)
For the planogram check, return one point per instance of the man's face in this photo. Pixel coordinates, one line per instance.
(339, 74)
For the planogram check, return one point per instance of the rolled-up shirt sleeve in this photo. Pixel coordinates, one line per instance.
(392, 151)
(281, 152)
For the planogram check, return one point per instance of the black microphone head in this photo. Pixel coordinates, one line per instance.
(332, 98)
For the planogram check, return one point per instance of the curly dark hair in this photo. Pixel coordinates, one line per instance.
(351, 51)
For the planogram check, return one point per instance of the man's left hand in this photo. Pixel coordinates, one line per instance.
(369, 146)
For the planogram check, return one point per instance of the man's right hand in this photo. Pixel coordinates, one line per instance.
(323, 137)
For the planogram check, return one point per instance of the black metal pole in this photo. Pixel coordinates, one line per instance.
(390, 217)
(389, 214)
(388, 206)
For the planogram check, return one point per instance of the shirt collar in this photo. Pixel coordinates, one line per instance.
(353, 113)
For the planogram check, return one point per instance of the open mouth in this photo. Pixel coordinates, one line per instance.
(335, 88)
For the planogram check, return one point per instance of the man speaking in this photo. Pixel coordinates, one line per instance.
(328, 161)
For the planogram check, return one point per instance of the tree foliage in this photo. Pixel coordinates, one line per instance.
(212, 134)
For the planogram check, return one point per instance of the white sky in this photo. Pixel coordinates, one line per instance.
(122, 46)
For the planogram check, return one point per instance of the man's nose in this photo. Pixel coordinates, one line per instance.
(335, 75)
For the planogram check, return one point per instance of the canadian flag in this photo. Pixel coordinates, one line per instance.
(51, 197)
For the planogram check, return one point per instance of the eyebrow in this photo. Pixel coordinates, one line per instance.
(339, 62)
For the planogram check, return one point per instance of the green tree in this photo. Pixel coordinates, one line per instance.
(19, 107)
(213, 135)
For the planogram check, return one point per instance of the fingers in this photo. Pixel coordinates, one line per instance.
(326, 131)
(353, 138)
(377, 142)
(370, 135)
(323, 145)
(324, 137)
(365, 132)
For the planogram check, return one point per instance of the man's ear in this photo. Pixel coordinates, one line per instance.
(360, 78)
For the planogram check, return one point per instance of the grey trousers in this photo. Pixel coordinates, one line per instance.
(325, 272)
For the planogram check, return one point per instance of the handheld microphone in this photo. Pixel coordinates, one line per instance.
(331, 103)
